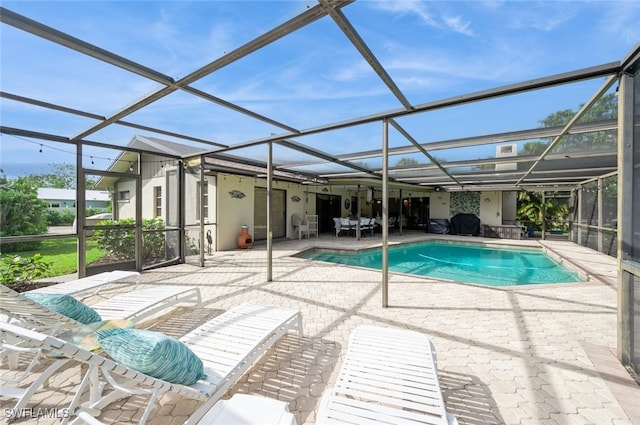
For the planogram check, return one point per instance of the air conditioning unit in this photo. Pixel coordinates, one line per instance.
(506, 151)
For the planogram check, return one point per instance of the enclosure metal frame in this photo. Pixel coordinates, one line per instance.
(628, 242)
(617, 71)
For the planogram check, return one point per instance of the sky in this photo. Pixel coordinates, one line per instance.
(313, 77)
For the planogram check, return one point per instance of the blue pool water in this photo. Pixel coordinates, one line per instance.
(472, 263)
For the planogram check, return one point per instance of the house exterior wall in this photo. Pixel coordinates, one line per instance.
(126, 208)
(235, 207)
(231, 201)
(148, 203)
(440, 205)
(509, 207)
(191, 193)
(154, 174)
(59, 204)
(490, 206)
(306, 204)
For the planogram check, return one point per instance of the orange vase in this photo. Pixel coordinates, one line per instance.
(245, 240)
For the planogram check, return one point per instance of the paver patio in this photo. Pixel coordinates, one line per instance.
(532, 355)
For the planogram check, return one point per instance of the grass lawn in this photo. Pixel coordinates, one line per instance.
(62, 254)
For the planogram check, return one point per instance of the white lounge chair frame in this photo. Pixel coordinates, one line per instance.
(228, 345)
(389, 376)
(90, 283)
(136, 305)
(143, 303)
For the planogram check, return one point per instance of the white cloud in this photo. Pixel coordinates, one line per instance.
(458, 25)
(408, 7)
(352, 72)
(419, 8)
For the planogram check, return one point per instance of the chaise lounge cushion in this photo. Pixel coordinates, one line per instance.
(152, 353)
(65, 305)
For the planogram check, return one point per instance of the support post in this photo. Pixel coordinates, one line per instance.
(385, 213)
(269, 205)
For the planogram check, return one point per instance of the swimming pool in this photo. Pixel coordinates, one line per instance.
(461, 262)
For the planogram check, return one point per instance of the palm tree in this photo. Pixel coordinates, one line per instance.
(532, 210)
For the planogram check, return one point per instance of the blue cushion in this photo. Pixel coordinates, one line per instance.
(153, 353)
(65, 305)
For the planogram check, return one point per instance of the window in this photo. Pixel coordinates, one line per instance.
(206, 200)
(123, 196)
(157, 201)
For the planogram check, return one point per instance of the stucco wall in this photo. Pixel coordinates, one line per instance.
(491, 208)
(439, 205)
(509, 207)
(148, 203)
(235, 208)
(487, 206)
(126, 208)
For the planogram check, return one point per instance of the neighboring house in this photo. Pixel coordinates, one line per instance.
(61, 199)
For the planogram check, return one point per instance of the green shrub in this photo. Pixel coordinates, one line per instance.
(93, 211)
(21, 214)
(64, 217)
(153, 243)
(119, 244)
(16, 270)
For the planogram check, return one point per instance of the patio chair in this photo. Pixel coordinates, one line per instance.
(392, 222)
(336, 226)
(300, 225)
(346, 224)
(312, 225)
(390, 376)
(340, 226)
(228, 345)
(86, 284)
(367, 223)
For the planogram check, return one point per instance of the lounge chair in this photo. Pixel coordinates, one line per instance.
(14, 305)
(89, 283)
(135, 306)
(228, 345)
(389, 376)
(143, 303)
